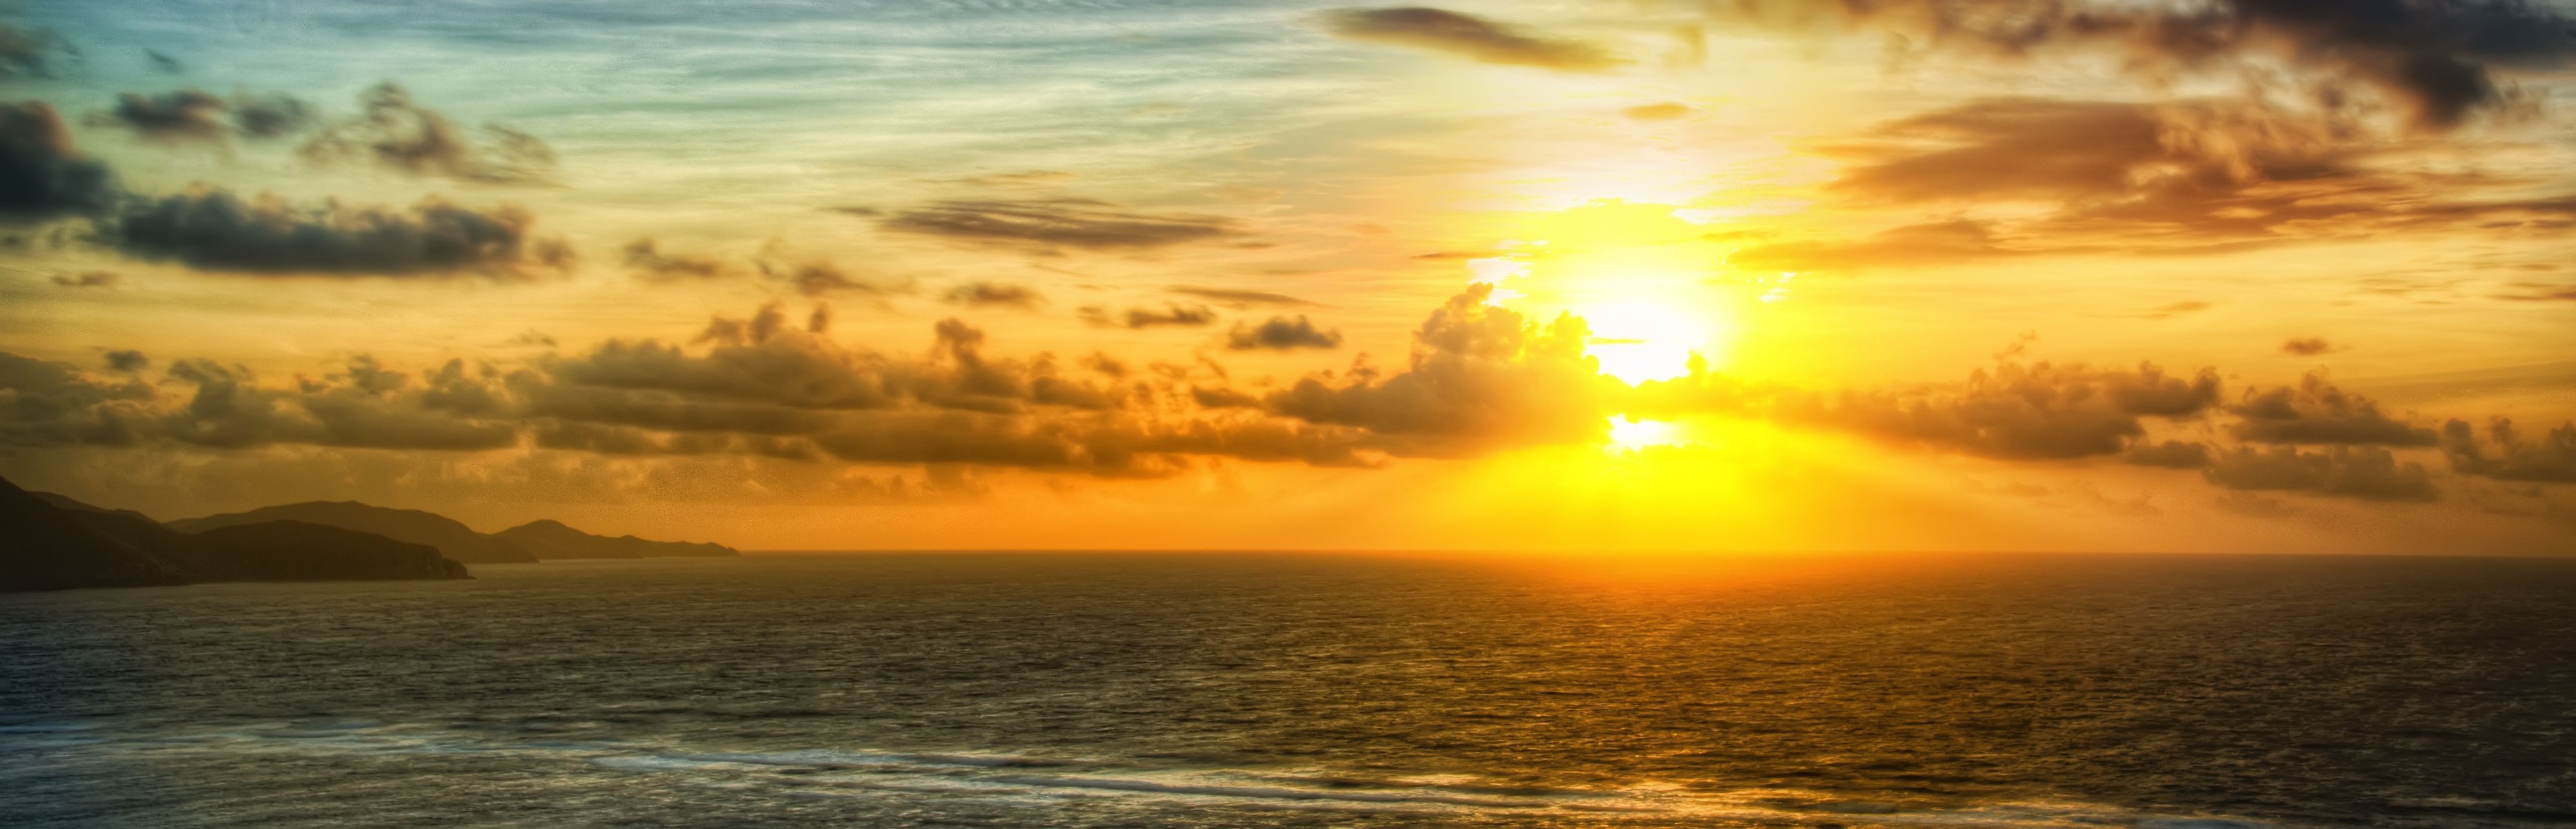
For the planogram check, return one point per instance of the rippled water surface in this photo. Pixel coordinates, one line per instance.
(1146, 691)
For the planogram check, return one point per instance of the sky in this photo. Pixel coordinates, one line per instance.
(1564, 278)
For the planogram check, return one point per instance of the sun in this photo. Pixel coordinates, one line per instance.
(1638, 340)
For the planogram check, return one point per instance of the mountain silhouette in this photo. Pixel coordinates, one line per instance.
(550, 539)
(55, 543)
(450, 537)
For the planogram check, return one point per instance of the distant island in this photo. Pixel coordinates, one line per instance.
(56, 542)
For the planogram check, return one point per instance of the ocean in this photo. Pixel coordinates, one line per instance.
(1222, 690)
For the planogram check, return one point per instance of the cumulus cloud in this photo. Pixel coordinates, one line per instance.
(1171, 314)
(2549, 458)
(1281, 334)
(1480, 377)
(2433, 58)
(2364, 472)
(216, 230)
(993, 295)
(2316, 412)
(127, 361)
(1467, 36)
(1048, 224)
(42, 176)
(2040, 411)
(44, 403)
(394, 133)
(197, 116)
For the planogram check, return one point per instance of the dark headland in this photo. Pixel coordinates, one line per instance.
(53, 542)
(56, 543)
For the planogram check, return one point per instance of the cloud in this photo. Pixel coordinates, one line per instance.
(2306, 346)
(2550, 458)
(163, 63)
(197, 116)
(2431, 57)
(2171, 454)
(1904, 247)
(1466, 36)
(275, 115)
(44, 403)
(2347, 471)
(2316, 412)
(645, 258)
(1281, 334)
(2176, 177)
(128, 361)
(1237, 297)
(87, 279)
(2040, 411)
(993, 294)
(216, 230)
(183, 115)
(1665, 111)
(1056, 223)
(2177, 309)
(24, 52)
(1172, 314)
(42, 176)
(393, 133)
(1481, 377)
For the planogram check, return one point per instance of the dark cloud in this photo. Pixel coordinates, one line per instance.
(2040, 411)
(128, 361)
(87, 279)
(197, 116)
(275, 115)
(2181, 177)
(394, 133)
(993, 294)
(2171, 454)
(362, 406)
(26, 52)
(644, 256)
(1071, 223)
(215, 230)
(1481, 377)
(2316, 412)
(2432, 57)
(162, 63)
(2549, 458)
(1171, 314)
(2306, 346)
(1281, 334)
(2347, 471)
(180, 116)
(42, 176)
(1236, 297)
(44, 403)
(1467, 36)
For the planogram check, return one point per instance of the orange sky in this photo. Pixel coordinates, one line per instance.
(1548, 277)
